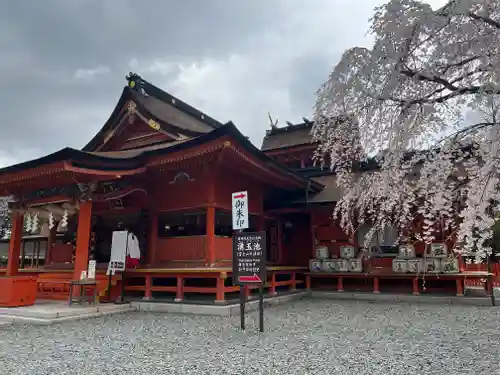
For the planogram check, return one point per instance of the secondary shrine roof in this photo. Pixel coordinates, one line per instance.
(288, 136)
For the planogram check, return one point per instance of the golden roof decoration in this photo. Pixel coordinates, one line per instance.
(153, 124)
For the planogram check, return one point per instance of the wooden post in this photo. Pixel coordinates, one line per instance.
(219, 296)
(293, 287)
(340, 284)
(210, 255)
(247, 292)
(83, 239)
(376, 286)
(273, 284)
(16, 236)
(148, 292)
(153, 238)
(308, 282)
(416, 289)
(179, 295)
(460, 287)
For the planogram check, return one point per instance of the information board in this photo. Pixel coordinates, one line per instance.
(249, 258)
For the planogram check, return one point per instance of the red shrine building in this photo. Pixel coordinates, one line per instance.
(165, 171)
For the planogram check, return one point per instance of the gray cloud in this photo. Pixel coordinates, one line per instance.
(64, 62)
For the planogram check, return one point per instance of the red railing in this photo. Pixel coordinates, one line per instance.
(182, 282)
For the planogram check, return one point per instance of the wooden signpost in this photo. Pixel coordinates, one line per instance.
(249, 255)
(249, 267)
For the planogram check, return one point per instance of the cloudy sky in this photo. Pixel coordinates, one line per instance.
(64, 62)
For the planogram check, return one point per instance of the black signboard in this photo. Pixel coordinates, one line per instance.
(249, 258)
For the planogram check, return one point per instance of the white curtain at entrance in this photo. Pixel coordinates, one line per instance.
(124, 243)
(133, 247)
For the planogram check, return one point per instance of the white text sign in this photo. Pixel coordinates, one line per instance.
(240, 210)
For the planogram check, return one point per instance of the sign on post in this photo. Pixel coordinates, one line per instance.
(240, 210)
(249, 258)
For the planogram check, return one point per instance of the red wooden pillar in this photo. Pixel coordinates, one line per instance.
(308, 282)
(461, 266)
(83, 239)
(272, 291)
(148, 292)
(16, 236)
(460, 287)
(340, 284)
(210, 255)
(416, 289)
(247, 292)
(220, 295)
(293, 286)
(153, 238)
(179, 295)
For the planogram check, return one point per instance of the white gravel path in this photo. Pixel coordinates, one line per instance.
(304, 337)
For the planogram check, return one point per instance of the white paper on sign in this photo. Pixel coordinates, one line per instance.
(240, 210)
(119, 246)
(91, 269)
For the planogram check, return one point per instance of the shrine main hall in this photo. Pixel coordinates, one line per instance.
(165, 172)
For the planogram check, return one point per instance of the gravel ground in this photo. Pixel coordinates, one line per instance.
(304, 337)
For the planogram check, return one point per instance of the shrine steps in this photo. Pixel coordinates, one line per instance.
(50, 312)
(231, 308)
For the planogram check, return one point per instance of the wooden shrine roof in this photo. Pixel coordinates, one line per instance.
(138, 158)
(289, 136)
(170, 113)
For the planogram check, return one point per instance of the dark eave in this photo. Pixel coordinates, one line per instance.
(133, 159)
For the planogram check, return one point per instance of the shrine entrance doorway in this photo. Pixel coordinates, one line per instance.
(136, 223)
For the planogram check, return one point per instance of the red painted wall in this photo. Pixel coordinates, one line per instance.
(180, 249)
(181, 194)
(230, 182)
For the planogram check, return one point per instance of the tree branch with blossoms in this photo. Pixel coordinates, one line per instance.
(406, 103)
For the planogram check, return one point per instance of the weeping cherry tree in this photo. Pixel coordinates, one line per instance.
(423, 103)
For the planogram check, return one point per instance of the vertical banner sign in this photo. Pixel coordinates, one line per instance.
(240, 210)
(249, 258)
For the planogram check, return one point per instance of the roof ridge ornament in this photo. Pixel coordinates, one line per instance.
(136, 83)
(273, 123)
